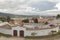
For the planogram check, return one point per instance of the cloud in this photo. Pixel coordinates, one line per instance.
(27, 7)
(43, 5)
(54, 0)
(58, 6)
(16, 7)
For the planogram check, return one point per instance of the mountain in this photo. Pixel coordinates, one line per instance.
(12, 15)
(22, 16)
(7, 14)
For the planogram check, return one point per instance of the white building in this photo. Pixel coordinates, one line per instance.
(25, 31)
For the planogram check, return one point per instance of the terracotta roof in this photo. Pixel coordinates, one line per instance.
(6, 26)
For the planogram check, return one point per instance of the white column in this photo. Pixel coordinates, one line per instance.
(18, 33)
(12, 32)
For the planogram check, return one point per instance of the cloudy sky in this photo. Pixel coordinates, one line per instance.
(30, 7)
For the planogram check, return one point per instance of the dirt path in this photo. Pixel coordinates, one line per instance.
(51, 38)
(19, 38)
(11, 38)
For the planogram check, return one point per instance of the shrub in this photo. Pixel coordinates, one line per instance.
(33, 34)
(53, 32)
(59, 32)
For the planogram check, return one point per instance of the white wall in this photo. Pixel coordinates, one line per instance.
(28, 32)
(18, 30)
(6, 31)
(40, 32)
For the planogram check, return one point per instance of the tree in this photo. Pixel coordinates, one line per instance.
(25, 21)
(33, 34)
(35, 20)
(8, 18)
(58, 16)
(3, 19)
(46, 23)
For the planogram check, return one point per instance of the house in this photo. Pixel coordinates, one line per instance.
(44, 20)
(27, 29)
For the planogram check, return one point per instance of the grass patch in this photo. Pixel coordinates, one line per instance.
(40, 37)
(5, 35)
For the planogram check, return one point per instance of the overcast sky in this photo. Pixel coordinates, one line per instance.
(30, 7)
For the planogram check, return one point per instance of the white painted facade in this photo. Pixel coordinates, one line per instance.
(40, 32)
(6, 31)
(18, 29)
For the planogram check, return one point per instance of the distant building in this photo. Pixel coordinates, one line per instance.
(31, 21)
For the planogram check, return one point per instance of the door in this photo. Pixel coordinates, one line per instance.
(15, 33)
(21, 33)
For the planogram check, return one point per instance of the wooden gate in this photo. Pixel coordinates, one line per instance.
(21, 33)
(15, 33)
